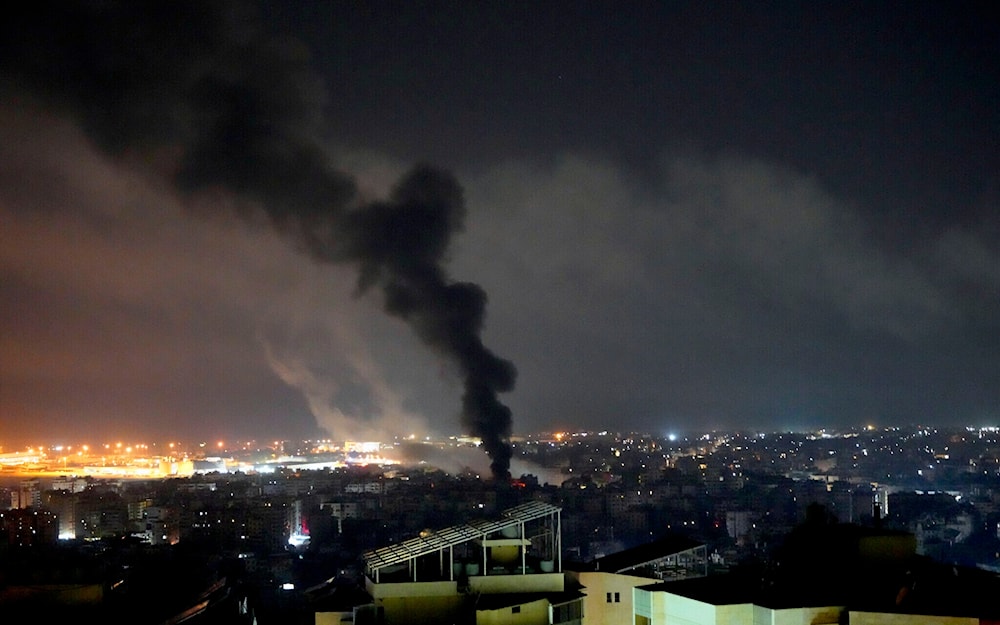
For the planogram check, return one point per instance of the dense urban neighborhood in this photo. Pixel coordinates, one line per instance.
(295, 530)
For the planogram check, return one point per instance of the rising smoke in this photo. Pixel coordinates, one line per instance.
(199, 92)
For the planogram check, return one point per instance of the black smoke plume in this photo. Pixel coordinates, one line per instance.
(200, 90)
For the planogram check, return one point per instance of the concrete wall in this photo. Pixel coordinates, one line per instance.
(678, 610)
(334, 618)
(420, 610)
(532, 613)
(411, 589)
(438, 602)
(416, 603)
(885, 618)
(736, 614)
(829, 615)
(642, 603)
(597, 585)
(664, 608)
(534, 582)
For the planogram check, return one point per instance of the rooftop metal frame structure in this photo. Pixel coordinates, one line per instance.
(659, 564)
(438, 541)
(669, 558)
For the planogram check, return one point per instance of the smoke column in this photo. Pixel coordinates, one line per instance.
(200, 92)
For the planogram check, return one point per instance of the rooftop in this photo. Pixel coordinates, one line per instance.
(644, 554)
(433, 541)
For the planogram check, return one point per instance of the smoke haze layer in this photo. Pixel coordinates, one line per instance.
(199, 93)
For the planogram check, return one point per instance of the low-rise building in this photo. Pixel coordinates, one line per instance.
(608, 581)
(828, 574)
(507, 570)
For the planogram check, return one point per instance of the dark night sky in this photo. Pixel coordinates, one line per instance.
(685, 215)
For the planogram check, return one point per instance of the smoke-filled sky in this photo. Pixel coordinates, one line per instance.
(279, 220)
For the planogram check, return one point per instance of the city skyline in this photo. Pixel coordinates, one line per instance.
(905, 456)
(683, 216)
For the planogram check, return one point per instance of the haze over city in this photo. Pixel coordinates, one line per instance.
(222, 220)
